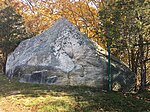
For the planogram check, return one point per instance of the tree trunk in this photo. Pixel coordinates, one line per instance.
(5, 54)
(129, 58)
(3, 67)
(142, 67)
(134, 63)
(132, 60)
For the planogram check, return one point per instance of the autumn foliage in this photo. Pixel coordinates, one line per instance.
(121, 18)
(41, 14)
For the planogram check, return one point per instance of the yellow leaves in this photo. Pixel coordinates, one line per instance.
(82, 15)
(3, 4)
(44, 13)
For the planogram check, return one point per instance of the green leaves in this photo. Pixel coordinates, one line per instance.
(122, 19)
(12, 31)
(127, 25)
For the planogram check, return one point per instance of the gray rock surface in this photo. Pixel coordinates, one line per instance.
(62, 55)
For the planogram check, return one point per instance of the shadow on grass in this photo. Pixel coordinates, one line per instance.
(73, 98)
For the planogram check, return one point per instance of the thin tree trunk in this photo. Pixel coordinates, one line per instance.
(129, 58)
(3, 67)
(136, 68)
(132, 60)
(142, 73)
(5, 54)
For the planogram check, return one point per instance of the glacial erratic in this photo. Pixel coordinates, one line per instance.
(62, 55)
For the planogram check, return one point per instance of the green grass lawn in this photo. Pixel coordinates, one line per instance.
(19, 97)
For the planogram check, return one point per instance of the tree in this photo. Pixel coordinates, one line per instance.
(41, 14)
(12, 31)
(4, 4)
(126, 24)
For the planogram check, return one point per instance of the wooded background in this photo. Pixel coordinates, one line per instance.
(124, 23)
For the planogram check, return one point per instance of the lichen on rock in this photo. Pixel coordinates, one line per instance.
(68, 57)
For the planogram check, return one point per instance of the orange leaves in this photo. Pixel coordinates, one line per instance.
(3, 4)
(42, 13)
(82, 14)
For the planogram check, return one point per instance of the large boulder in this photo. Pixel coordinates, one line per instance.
(62, 55)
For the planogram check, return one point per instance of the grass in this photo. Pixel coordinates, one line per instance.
(20, 97)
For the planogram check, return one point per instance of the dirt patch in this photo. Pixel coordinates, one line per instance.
(6, 105)
(1, 110)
